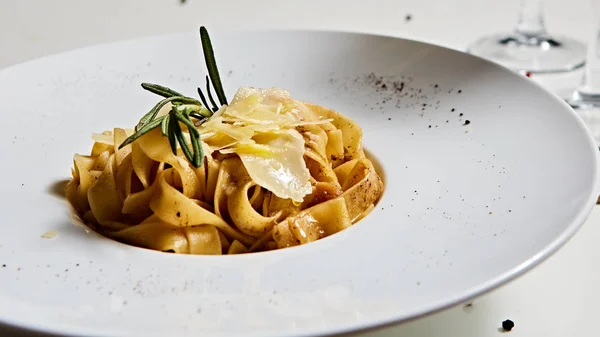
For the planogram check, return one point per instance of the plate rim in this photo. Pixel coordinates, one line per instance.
(460, 297)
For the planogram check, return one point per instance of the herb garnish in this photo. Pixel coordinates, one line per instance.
(183, 110)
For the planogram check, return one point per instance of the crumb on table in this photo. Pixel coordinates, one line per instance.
(50, 234)
(507, 325)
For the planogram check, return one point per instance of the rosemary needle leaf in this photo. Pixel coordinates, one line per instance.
(160, 90)
(203, 98)
(198, 151)
(181, 140)
(142, 131)
(171, 134)
(212, 101)
(164, 125)
(211, 65)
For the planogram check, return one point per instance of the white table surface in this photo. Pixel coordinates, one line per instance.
(559, 298)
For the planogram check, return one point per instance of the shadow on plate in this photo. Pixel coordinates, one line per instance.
(58, 188)
(6, 330)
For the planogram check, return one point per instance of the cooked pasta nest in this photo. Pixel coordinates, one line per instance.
(276, 173)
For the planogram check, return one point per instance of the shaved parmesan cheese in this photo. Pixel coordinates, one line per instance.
(283, 170)
(260, 127)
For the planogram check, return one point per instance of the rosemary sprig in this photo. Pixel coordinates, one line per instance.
(183, 110)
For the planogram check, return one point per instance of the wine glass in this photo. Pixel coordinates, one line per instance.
(529, 48)
(586, 98)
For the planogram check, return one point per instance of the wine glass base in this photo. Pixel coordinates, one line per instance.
(581, 100)
(531, 54)
(588, 108)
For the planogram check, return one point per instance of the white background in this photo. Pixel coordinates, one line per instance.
(560, 298)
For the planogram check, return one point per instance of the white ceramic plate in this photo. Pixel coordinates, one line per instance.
(466, 207)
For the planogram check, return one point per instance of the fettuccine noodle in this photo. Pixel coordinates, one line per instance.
(277, 173)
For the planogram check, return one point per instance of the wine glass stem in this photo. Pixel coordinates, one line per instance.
(591, 77)
(531, 20)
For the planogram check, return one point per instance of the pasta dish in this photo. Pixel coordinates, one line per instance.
(260, 172)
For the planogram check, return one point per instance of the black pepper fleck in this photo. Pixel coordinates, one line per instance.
(459, 91)
(178, 214)
(390, 118)
(508, 325)
(460, 114)
(452, 110)
(3, 266)
(408, 17)
(467, 122)
(430, 126)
